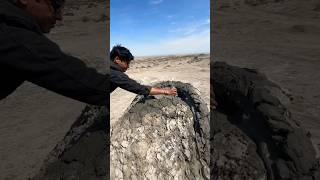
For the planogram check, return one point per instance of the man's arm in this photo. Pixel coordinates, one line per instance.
(164, 91)
(40, 61)
(124, 82)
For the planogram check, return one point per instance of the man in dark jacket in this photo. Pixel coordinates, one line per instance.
(27, 55)
(120, 60)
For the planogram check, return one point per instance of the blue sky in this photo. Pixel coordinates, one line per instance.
(161, 27)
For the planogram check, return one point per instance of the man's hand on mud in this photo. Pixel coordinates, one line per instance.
(170, 91)
(163, 91)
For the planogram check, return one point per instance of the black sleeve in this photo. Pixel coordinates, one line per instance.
(123, 81)
(41, 61)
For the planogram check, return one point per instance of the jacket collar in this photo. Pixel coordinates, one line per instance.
(14, 16)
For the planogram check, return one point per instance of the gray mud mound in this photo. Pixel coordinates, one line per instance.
(253, 135)
(82, 154)
(162, 137)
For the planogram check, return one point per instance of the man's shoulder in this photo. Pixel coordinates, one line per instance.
(22, 34)
(117, 76)
(30, 40)
(116, 72)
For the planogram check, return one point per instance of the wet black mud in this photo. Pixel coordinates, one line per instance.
(253, 135)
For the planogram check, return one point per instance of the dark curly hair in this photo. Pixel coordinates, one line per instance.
(123, 53)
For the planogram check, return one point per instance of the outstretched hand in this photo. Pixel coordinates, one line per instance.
(170, 91)
(163, 91)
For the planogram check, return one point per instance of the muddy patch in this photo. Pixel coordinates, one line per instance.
(253, 135)
(162, 137)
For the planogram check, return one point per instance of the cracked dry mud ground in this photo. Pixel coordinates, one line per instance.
(162, 138)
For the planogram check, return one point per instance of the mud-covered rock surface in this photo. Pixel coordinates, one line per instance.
(84, 151)
(253, 135)
(162, 137)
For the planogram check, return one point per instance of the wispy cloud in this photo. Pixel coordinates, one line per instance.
(156, 2)
(199, 42)
(194, 43)
(159, 28)
(170, 16)
(193, 37)
(188, 29)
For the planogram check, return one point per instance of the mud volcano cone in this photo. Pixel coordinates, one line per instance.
(253, 135)
(84, 151)
(162, 137)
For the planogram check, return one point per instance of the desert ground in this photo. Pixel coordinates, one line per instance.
(34, 119)
(279, 39)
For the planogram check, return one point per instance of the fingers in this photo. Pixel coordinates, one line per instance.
(174, 91)
(171, 91)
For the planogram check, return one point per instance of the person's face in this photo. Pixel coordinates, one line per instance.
(43, 13)
(122, 64)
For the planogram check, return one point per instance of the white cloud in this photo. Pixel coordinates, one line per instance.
(170, 16)
(156, 1)
(190, 44)
(187, 39)
(194, 43)
(190, 28)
